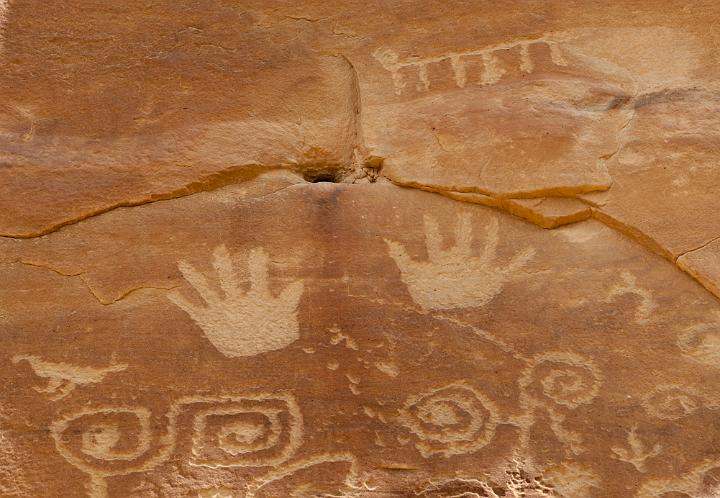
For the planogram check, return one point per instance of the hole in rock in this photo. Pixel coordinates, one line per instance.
(320, 177)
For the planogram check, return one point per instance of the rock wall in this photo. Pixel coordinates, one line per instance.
(359, 248)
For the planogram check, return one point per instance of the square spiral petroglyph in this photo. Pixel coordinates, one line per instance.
(244, 432)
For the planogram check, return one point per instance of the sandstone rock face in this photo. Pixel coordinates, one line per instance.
(359, 249)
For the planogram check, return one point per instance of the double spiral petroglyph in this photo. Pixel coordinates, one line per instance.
(254, 430)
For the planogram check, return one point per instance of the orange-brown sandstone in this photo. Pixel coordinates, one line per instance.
(359, 249)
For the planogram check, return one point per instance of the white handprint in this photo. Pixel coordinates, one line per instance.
(239, 322)
(454, 278)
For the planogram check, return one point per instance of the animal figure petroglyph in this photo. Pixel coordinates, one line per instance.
(454, 278)
(63, 378)
(238, 322)
(635, 453)
(255, 430)
(492, 72)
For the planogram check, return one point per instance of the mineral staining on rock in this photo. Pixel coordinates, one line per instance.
(254, 251)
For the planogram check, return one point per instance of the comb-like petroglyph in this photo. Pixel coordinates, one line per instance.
(239, 321)
(454, 277)
(487, 57)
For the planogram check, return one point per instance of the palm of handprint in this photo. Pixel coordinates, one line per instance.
(239, 322)
(453, 277)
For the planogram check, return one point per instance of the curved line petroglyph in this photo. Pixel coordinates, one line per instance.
(629, 286)
(492, 73)
(293, 468)
(701, 342)
(63, 378)
(454, 278)
(238, 322)
(672, 402)
(93, 441)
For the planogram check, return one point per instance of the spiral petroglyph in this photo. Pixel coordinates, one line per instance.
(254, 430)
(564, 379)
(450, 420)
(108, 441)
(555, 383)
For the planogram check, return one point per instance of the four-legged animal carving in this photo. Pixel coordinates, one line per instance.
(63, 377)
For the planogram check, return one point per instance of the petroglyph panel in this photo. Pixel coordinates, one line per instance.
(498, 374)
(357, 249)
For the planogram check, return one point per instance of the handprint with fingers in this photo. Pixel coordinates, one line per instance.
(453, 277)
(236, 321)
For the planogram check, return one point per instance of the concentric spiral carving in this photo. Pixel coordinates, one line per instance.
(452, 420)
(564, 379)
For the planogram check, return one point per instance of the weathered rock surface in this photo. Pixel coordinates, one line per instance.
(366, 249)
